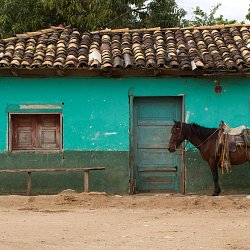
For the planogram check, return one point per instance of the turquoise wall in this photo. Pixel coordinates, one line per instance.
(208, 108)
(91, 109)
(96, 118)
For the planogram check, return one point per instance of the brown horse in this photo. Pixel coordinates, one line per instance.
(205, 140)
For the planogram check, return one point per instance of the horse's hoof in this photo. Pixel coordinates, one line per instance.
(215, 194)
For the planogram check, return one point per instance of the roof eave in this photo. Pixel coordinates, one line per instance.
(115, 73)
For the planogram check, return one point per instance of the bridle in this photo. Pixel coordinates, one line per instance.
(175, 148)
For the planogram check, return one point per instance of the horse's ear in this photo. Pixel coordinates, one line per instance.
(177, 124)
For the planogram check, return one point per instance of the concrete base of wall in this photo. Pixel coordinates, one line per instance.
(199, 178)
(114, 179)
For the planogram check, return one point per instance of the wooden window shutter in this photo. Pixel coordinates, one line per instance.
(24, 132)
(48, 127)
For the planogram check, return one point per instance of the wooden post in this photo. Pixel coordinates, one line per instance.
(86, 181)
(29, 184)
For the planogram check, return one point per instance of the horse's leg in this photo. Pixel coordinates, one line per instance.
(214, 169)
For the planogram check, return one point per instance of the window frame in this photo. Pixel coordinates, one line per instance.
(10, 133)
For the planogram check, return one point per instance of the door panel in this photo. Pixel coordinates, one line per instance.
(158, 181)
(155, 168)
(153, 112)
(155, 159)
(153, 136)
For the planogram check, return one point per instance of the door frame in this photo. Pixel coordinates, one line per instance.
(132, 180)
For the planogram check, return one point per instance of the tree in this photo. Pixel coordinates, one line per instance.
(202, 18)
(160, 13)
(93, 14)
(96, 14)
(248, 14)
(17, 16)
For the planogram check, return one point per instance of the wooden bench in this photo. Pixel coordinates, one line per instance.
(29, 171)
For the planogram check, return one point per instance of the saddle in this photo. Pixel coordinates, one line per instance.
(233, 131)
(236, 137)
(235, 141)
(229, 140)
(246, 136)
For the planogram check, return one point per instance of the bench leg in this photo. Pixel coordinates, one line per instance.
(86, 181)
(29, 184)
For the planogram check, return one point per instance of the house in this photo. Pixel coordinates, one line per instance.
(108, 98)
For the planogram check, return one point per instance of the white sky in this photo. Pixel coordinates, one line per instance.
(230, 9)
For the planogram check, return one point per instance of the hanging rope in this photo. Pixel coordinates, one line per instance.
(223, 150)
(224, 161)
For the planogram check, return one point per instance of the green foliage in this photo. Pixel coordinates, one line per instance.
(202, 18)
(248, 14)
(160, 13)
(93, 14)
(19, 16)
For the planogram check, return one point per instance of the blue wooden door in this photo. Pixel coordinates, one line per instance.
(155, 169)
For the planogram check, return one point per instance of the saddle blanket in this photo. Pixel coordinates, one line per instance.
(234, 131)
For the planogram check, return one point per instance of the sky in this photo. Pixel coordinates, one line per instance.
(230, 9)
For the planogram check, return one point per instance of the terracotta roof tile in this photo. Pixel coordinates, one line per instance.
(216, 48)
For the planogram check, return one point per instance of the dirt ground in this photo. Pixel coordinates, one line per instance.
(98, 221)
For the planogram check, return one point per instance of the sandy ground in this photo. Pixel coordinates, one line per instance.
(98, 221)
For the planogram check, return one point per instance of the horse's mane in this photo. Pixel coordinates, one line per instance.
(201, 131)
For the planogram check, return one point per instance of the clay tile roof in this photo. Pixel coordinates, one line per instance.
(210, 48)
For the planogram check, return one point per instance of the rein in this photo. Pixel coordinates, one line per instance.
(188, 141)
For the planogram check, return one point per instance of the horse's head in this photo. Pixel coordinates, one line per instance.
(177, 137)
